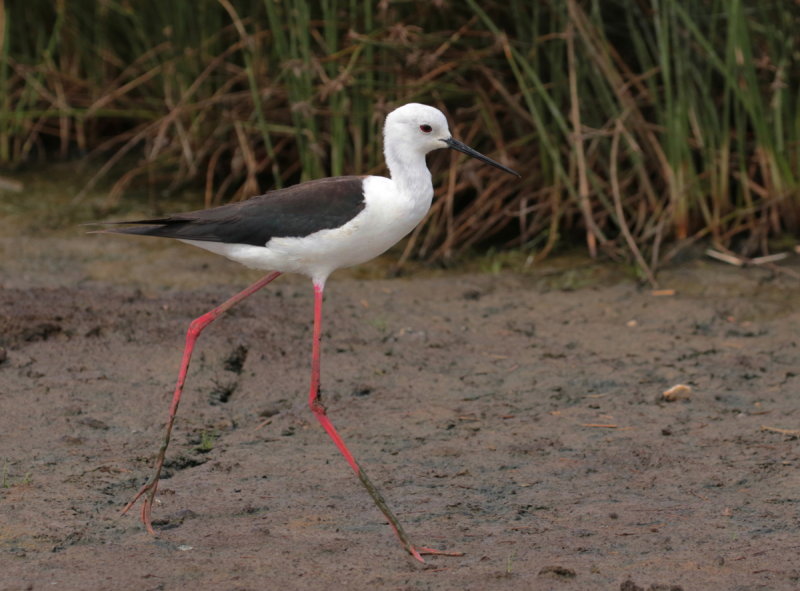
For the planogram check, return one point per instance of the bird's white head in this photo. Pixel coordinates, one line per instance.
(415, 127)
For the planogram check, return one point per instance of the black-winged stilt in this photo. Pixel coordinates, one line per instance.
(313, 229)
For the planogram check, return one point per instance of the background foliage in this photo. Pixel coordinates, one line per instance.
(639, 125)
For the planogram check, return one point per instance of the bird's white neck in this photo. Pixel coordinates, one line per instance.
(410, 173)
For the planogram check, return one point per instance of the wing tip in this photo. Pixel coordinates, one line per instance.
(147, 227)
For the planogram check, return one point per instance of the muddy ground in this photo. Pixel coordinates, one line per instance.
(517, 417)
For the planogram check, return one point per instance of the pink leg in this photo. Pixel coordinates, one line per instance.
(321, 414)
(195, 328)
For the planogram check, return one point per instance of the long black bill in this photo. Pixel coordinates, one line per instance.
(456, 145)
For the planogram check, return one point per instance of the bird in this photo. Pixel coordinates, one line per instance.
(313, 228)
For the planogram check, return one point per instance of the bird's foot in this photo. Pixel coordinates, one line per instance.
(149, 493)
(417, 552)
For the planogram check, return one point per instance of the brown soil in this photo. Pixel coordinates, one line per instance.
(518, 418)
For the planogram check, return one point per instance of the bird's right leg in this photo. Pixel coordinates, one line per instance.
(322, 416)
(195, 328)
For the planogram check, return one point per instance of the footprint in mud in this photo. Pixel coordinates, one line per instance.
(629, 585)
(181, 462)
(234, 362)
(222, 391)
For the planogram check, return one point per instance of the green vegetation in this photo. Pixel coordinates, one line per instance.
(638, 125)
(7, 482)
(207, 440)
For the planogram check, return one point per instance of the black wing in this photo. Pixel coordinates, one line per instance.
(296, 211)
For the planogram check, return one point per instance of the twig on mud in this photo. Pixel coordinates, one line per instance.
(725, 258)
(601, 425)
(740, 261)
(698, 495)
(767, 261)
(792, 432)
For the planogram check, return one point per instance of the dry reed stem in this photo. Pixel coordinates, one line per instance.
(577, 143)
(623, 226)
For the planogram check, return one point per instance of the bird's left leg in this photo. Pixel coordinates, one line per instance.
(195, 328)
(321, 414)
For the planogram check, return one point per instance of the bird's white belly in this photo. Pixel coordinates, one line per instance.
(382, 223)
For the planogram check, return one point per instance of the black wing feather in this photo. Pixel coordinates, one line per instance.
(296, 211)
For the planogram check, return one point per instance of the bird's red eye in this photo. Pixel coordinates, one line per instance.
(425, 128)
